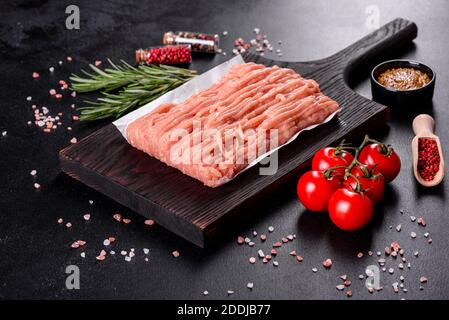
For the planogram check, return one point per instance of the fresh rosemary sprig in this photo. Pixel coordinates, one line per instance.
(134, 86)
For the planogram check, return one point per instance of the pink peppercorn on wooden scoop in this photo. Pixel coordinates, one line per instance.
(424, 127)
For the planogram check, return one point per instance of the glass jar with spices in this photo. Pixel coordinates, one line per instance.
(179, 54)
(199, 42)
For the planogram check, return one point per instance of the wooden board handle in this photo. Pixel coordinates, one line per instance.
(423, 124)
(392, 35)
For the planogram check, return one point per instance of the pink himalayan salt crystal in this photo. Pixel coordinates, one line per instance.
(102, 255)
(149, 222)
(327, 263)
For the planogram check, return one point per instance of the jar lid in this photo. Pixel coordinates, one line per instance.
(140, 55)
(168, 38)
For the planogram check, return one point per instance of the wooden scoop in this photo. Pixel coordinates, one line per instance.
(424, 127)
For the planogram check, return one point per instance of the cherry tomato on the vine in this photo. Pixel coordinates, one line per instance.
(371, 181)
(315, 189)
(350, 210)
(383, 158)
(330, 157)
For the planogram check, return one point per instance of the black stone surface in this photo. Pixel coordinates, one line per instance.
(35, 250)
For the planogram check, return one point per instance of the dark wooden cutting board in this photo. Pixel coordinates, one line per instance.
(107, 163)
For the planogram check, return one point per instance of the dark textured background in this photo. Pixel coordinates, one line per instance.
(34, 250)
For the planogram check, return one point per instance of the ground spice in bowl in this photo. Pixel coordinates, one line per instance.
(403, 78)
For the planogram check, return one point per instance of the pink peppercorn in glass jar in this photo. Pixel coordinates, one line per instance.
(200, 42)
(179, 54)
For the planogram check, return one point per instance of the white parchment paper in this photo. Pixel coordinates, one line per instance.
(197, 84)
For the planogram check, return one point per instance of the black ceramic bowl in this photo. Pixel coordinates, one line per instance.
(420, 97)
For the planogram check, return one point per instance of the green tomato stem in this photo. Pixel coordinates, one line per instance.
(356, 155)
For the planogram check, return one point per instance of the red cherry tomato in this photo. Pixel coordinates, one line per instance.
(330, 157)
(315, 189)
(350, 210)
(383, 157)
(372, 182)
